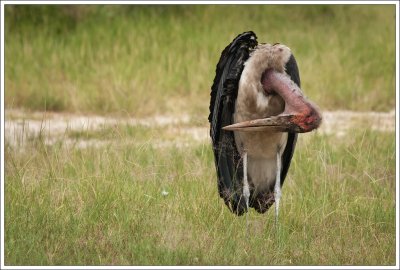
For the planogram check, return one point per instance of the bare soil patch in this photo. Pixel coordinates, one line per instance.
(20, 126)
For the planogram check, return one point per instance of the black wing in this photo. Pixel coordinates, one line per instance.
(223, 96)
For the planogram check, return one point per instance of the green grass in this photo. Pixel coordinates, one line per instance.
(146, 60)
(103, 205)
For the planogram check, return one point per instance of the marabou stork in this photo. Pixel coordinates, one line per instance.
(256, 110)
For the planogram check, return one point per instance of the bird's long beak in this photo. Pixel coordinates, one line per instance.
(300, 115)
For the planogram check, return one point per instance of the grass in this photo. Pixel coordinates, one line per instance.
(146, 60)
(103, 205)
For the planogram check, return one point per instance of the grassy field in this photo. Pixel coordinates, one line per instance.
(144, 60)
(103, 205)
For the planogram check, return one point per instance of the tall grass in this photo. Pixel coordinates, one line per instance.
(104, 205)
(151, 59)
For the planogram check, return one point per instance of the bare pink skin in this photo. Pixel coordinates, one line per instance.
(305, 115)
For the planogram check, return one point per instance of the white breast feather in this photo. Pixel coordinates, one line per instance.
(252, 103)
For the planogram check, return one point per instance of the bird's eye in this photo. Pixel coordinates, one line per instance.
(276, 44)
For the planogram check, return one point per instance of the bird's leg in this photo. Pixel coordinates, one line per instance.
(277, 189)
(246, 189)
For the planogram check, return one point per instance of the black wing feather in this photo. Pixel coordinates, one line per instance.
(223, 96)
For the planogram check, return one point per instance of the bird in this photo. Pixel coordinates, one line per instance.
(257, 109)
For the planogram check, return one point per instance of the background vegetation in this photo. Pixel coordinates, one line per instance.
(144, 60)
(103, 205)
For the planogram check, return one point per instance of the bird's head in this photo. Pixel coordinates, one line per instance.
(275, 67)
